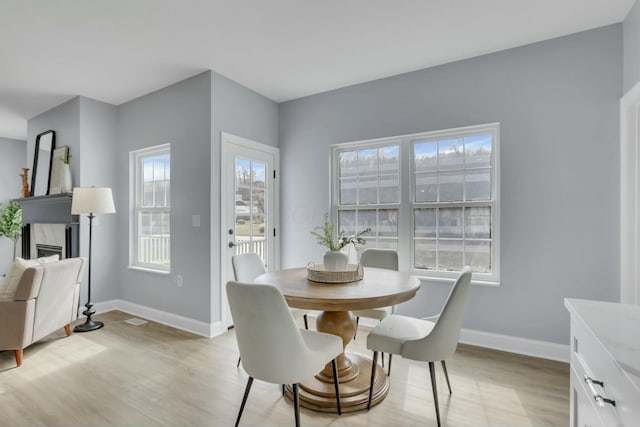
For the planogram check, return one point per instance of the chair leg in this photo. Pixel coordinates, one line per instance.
(356, 331)
(18, 354)
(336, 381)
(382, 354)
(283, 390)
(244, 399)
(296, 404)
(306, 323)
(446, 375)
(373, 377)
(239, 359)
(389, 371)
(432, 373)
(67, 329)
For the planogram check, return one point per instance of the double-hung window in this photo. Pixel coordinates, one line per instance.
(151, 220)
(432, 196)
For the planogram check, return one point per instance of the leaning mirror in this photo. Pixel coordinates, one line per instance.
(45, 143)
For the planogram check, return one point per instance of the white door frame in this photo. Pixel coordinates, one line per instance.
(630, 196)
(227, 142)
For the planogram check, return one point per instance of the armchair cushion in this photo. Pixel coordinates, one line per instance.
(11, 281)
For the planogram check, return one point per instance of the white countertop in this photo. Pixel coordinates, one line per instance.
(617, 326)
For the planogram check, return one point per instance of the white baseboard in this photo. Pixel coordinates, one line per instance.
(525, 346)
(197, 327)
(512, 344)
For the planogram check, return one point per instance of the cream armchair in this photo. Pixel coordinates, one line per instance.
(46, 299)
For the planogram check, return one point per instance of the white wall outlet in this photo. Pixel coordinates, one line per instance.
(195, 220)
(179, 280)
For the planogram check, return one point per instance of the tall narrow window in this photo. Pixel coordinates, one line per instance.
(454, 201)
(368, 193)
(152, 210)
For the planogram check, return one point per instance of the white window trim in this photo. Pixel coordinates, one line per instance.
(407, 195)
(135, 184)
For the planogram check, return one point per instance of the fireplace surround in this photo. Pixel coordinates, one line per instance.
(48, 227)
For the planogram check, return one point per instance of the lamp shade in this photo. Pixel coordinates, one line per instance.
(94, 200)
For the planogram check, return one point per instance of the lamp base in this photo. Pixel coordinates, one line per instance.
(88, 326)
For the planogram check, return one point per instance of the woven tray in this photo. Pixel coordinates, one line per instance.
(317, 273)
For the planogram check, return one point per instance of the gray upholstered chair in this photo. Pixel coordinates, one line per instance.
(272, 347)
(46, 299)
(430, 339)
(246, 267)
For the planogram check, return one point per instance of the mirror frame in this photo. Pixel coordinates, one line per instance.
(34, 171)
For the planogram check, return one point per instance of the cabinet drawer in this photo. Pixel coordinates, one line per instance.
(584, 412)
(590, 358)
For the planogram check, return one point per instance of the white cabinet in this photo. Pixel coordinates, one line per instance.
(605, 364)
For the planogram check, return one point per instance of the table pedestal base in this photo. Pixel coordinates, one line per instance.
(318, 393)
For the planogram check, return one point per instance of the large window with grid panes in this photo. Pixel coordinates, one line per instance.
(151, 236)
(433, 197)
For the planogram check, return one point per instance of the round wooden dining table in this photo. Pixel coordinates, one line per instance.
(378, 288)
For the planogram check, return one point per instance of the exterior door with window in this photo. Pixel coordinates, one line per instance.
(249, 191)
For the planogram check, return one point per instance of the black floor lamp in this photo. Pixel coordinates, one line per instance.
(91, 201)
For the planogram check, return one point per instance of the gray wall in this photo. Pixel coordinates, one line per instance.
(557, 102)
(88, 127)
(631, 44)
(180, 115)
(13, 158)
(98, 126)
(242, 112)
(65, 120)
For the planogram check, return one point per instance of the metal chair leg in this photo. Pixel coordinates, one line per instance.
(373, 377)
(244, 399)
(296, 404)
(432, 373)
(382, 359)
(336, 381)
(356, 331)
(306, 323)
(446, 374)
(389, 371)
(239, 359)
(283, 390)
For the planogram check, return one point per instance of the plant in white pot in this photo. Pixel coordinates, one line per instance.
(335, 259)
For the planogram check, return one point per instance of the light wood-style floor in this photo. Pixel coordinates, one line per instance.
(153, 375)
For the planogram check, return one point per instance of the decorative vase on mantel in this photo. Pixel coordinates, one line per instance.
(335, 261)
(65, 181)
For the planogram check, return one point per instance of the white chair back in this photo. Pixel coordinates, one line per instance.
(246, 267)
(380, 258)
(441, 343)
(271, 345)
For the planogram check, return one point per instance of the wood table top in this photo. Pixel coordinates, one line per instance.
(378, 288)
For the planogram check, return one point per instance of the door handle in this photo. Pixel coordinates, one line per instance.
(232, 244)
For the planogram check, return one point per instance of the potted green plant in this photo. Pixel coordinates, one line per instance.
(335, 259)
(11, 223)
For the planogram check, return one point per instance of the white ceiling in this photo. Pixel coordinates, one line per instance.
(117, 50)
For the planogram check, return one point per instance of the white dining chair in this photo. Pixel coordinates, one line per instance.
(378, 258)
(430, 339)
(272, 347)
(246, 267)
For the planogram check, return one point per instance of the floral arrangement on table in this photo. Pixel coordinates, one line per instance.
(324, 236)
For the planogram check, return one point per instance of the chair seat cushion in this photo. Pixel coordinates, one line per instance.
(373, 313)
(393, 331)
(321, 342)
